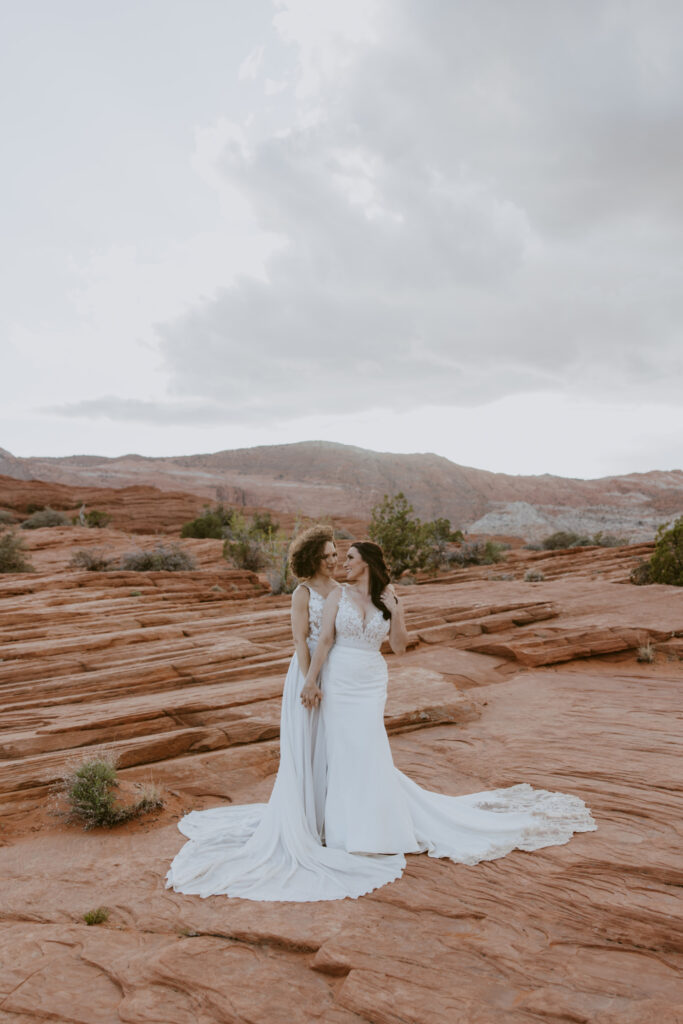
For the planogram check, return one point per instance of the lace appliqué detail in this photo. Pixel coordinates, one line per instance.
(316, 605)
(557, 816)
(350, 628)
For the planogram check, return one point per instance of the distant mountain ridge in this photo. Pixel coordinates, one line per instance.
(322, 477)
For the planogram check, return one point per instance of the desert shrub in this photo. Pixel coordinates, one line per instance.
(534, 576)
(646, 653)
(5, 517)
(245, 552)
(12, 553)
(533, 546)
(567, 539)
(263, 525)
(44, 517)
(407, 542)
(641, 575)
(666, 563)
(89, 790)
(558, 540)
(96, 519)
(162, 558)
(97, 916)
(477, 552)
(340, 533)
(213, 522)
(260, 544)
(92, 560)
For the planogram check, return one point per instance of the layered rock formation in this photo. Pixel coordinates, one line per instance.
(505, 681)
(324, 478)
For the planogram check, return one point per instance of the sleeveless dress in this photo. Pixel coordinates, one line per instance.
(274, 851)
(341, 816)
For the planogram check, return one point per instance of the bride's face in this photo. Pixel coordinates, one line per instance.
(354, 566)
(328, 559)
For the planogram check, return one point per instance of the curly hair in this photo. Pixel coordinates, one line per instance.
(306, 550)
(373, 556)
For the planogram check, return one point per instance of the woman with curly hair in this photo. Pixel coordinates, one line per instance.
(276, 851)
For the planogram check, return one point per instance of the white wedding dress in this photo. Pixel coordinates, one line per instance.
(341, 817)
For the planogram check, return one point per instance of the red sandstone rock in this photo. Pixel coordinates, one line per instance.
(182, 680)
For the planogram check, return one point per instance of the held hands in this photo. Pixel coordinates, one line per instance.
(311, 695)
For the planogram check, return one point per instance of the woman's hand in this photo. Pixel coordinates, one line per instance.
(389, 599)
(311, 695)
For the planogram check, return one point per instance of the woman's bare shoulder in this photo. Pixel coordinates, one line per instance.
(300, 596)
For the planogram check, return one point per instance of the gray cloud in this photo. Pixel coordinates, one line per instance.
(484, 200)
(133, 410)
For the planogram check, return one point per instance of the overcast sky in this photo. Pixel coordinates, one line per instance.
(411, 225)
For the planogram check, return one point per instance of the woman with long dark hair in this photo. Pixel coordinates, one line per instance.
(370, 806)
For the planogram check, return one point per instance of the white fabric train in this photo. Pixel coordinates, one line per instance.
(341, 817)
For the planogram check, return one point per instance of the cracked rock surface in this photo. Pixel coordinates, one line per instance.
(180, 675)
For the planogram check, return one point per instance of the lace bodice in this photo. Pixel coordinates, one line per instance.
(316, 603)
(350, 629)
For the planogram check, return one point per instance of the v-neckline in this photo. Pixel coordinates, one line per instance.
(354, 604)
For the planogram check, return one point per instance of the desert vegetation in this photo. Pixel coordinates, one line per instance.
(162, 558)
(407, 542)
(478, 552)
(44, 517)
(566, 539)
(97, 916)
(213, 523)
(666, 563)
(92, 560)
(89, 792)
(12, 553)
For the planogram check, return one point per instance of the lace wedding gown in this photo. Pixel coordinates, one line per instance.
(337, 786)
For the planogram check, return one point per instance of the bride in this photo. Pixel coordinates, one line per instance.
(341, 817)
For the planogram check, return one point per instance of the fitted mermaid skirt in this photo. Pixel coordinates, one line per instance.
(372, 807)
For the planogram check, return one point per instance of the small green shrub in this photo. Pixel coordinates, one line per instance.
(98, 916)
(245, 552)
(666, 563)
(534, 576)
(566, 539)
(340, 533)
(89, 790)
(477, 552)
(12, 553)
(641, 575)
(96, 519)
(213, 522)
(5, 517)
(92, 560)
(44, 517)
(646, 653)
(159, 559)
(263, 525)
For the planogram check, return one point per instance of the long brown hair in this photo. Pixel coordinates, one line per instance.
(373, 556)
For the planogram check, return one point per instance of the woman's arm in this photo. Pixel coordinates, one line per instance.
(300, 627)
(398, 634)
(311, 695)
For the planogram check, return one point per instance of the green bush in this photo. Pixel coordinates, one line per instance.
(160, 559)
(44, 517)
(533, 576)
(263, 525)
(666, 563)
(213, 522)
(92, 560)
(12, 557)
(407, 542)
(6, 517)
(567, 539)
(478, 552)
(641, 575)
(245, 552)
(89, 790)
(97, 916)
(96, 519)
